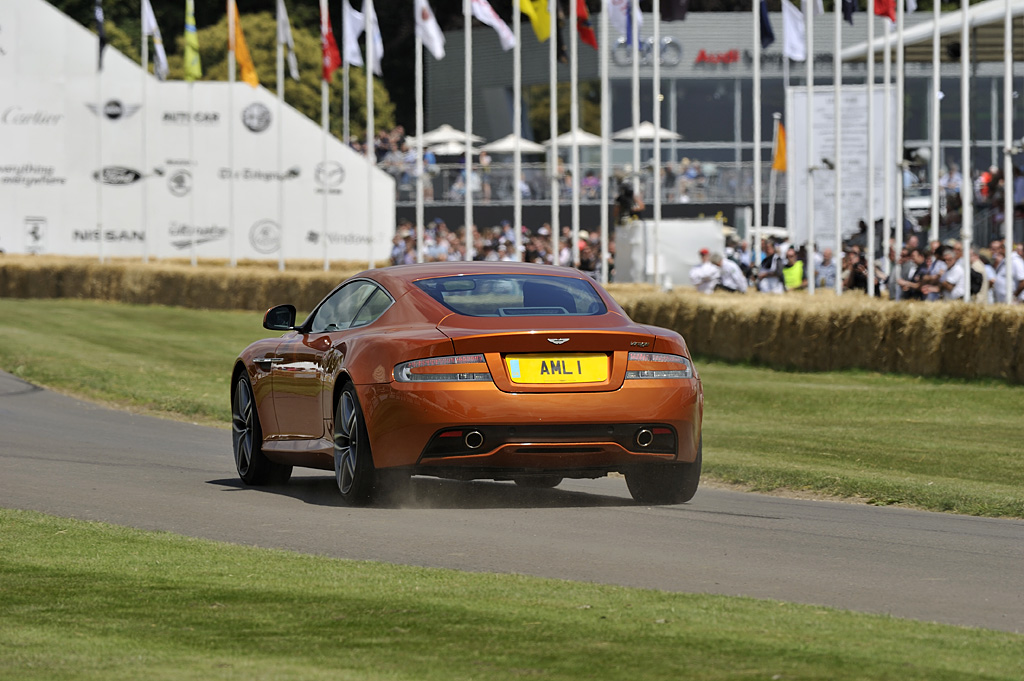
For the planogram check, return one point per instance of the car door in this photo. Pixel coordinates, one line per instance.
(306, 361)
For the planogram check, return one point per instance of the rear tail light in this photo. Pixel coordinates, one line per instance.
(457, 368)
(657, 365)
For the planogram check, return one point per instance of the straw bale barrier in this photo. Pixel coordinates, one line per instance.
(795, 331)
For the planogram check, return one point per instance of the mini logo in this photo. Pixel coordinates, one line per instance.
(265, 236)
(558, 341)
(118, 175)
(115, 109)
(256, 117)
(180, 182)
(329, 174)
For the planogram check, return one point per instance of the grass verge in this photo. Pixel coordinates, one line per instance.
(937, 444)
(92, 601)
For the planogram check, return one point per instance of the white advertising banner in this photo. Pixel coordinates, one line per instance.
(854, 140)
(162, 168)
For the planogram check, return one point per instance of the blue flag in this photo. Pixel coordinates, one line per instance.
(767, 34)
(848, 9)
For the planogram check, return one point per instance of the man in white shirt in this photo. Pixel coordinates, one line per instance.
(706, 275)
(1017, 269)
(952, 281)
(733, 279)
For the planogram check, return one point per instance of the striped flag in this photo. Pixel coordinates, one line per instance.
(284, 37)
(149, 28)
(193, 67)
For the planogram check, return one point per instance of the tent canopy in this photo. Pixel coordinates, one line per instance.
(506, 145)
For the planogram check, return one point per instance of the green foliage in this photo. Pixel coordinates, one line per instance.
(538, 104)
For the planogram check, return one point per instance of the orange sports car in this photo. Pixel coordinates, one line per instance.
(469, 370)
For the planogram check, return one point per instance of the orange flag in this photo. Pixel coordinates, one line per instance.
(779, 153)
(236, 43)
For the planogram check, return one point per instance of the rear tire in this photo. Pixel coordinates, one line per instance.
(538, 481)
(353, 462)
(669, 483)
(253, 467)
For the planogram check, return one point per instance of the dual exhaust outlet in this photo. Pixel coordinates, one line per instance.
(474, 439)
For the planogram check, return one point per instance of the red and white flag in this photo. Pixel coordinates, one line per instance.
(428, 29)
(329, 49)
(484, 13)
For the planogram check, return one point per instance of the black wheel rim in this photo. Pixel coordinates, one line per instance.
(242, 426)
(346, 443)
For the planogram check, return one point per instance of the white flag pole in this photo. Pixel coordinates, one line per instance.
(574, 123)
(280, 140)
(656, 161)
(967, 184)
(324, 123)
(635, 37)
(371, 152)
(772, 175)
(419, 146)
(1008, 217)
(231, 131)
(756, 110)
(837, 80)
(345, 110)
(887, 153)
(870, 175)
(468, 104)
(933, 231)
(811, 161)
(556, 228)
(605, 134)
(142, 145)
(901, 84)
(100, 177)
(517, 128)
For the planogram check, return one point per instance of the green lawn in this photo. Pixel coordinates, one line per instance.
(89, 601)
(947, 445)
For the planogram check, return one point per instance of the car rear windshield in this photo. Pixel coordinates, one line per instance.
(514, 295)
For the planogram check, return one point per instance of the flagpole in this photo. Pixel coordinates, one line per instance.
(517, 128)
(232, 11)
(371, 54)
(933, 230)
(324, 122)
(656, 163)
(99, 162)
(755, 7)
(772, 175)
(345, 133)
(605, 134)
(142, 145)
(280, 140)
(887, 154)
(1008, 198)
(811, 162)
(870, 175)
(468, 104)
(966, 184)
(837, 173)
(634, 34)
(192, 168)
(556, 228)
(574, 122)
(419, 144)
(901, 84)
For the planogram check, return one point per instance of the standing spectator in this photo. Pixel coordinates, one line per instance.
(825, 274)
(910, 285)
(732, 278)
(951, 180)
(952, 281)
(793, 275)
(1016, 260)
(932, 277)
(706, 275)
(769, 278)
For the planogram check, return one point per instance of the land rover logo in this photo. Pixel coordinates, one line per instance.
(329, 174)
(118, 175)
(180, 182)
(265, 236)
(256, 117)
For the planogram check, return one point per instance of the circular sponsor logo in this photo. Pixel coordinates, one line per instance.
(265, 236)
(113, 109)
(329, 174)
(180, 182)
(256, 117)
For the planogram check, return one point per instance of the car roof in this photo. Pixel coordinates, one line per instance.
(400, 278)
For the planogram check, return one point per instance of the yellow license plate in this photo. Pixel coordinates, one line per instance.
(568, 368)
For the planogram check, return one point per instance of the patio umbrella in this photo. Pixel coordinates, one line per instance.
(450, 149)
(446, 133)
(583, 139)
(646, 133)
(506, 145)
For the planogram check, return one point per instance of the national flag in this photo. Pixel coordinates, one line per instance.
(767, 34)
(583, 26)
(149, 28)
(193, 67)
(101, 31)
(674, 10)
(284, 37)
(236, 44)
(484, 13)
(886, 8)
(428, 30)
(620, 14)
(378, 41)
(352, 28)
(849, 7)
(911, 6)
(793, 31)
(779, 152)
(540, 17)
(330, 59)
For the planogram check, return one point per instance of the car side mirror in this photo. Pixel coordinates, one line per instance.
(280, 318)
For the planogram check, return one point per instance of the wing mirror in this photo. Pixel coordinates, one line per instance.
(280, 318)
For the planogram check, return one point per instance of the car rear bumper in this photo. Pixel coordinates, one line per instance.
(476, 426)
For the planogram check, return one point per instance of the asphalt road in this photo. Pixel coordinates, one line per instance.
(75, 459)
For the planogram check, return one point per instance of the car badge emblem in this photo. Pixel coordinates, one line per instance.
(558, 341)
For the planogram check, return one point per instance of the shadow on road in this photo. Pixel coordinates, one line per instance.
(435, 493)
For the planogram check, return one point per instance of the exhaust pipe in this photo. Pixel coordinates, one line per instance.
(644, 437)
(474, 439)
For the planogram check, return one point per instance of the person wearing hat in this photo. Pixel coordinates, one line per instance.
(705, 276)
